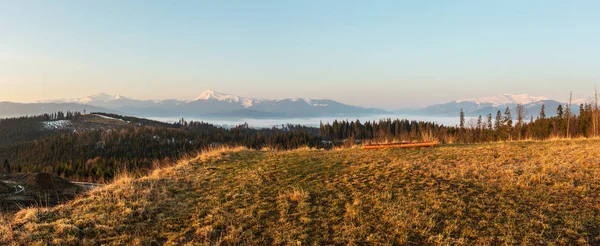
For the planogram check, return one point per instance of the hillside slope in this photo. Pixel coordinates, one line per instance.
(526, 193)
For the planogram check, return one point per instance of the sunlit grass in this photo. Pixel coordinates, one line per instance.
(527, 192)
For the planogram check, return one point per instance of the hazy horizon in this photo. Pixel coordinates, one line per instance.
(386, 55)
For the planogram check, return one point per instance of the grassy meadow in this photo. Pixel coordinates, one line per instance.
(525, 193)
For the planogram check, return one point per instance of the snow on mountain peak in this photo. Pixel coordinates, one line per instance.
(99, 97)
(310, 102)
(505, 99)
(524, 98)
(298, 99)
(210, 94)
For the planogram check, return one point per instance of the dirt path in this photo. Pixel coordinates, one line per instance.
(89, 186)
(18, 188)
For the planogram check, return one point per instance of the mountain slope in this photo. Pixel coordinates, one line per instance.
(505, 99)
(216, 96)
(10, 109)
(490, 105)
(215, 104)
(480, 194)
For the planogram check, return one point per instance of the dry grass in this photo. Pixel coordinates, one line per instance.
(526, 193)
(101, 120)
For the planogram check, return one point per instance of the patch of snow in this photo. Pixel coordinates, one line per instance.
(103, 97)
(99, 97)
(213, 95)
(110, 118)
(495, 100)
(505, 99)
(580, 101)
(524, 98)
(537, 103)
(247, 102)
(320, 105)
(56, 125)
(306, 100)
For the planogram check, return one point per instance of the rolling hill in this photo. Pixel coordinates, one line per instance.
(11, 109)
(487, 194)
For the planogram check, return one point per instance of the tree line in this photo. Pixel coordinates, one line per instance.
(502, 126)
(98, 153)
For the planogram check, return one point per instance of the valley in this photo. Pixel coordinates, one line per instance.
(299, 123)
(19, 191)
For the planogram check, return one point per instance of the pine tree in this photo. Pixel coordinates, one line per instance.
(543, 112)
(6, 166)
(507, 121)
(489, 122)
(322, 131)
(569, 115)
(559, 111)
(507, 124)
(462, 119)
(498, 123)
(479, 128)
(498, 126)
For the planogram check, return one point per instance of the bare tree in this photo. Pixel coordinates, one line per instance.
(569, 114)
(595, 113)
(520, 116)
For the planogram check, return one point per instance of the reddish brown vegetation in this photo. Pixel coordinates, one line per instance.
(400, 145)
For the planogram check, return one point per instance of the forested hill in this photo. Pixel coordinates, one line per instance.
(15, 130)
(95, 146)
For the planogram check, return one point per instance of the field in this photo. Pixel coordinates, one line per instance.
(526, 193)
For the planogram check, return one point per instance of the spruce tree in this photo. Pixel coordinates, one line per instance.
(543, 112)
(498, 123)
(507, 121)
(462, 119)
(507, 124)
(559, 111)
(6, 166)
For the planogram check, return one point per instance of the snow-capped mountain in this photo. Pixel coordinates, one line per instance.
(100, 97)
(505, 99)
(96, 98)
(214, 104)
(490, 105)
(212, 95)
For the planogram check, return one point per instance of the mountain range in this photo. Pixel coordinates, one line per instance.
(490, 105)
(208, 104)
(212, 104)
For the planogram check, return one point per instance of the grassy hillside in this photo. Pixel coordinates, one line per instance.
(525, 193)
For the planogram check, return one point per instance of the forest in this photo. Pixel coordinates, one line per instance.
(501, 127)
(98, 153)
(97, 150)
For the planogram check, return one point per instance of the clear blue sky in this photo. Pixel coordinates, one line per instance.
(389, 54)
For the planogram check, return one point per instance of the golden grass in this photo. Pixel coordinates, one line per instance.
(401, 145)
(526, 193)
(98, 119)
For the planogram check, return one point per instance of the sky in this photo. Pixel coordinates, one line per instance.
(386, 54)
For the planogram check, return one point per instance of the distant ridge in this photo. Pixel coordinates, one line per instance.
(506, 99)
(490, 105)
(208, 104)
